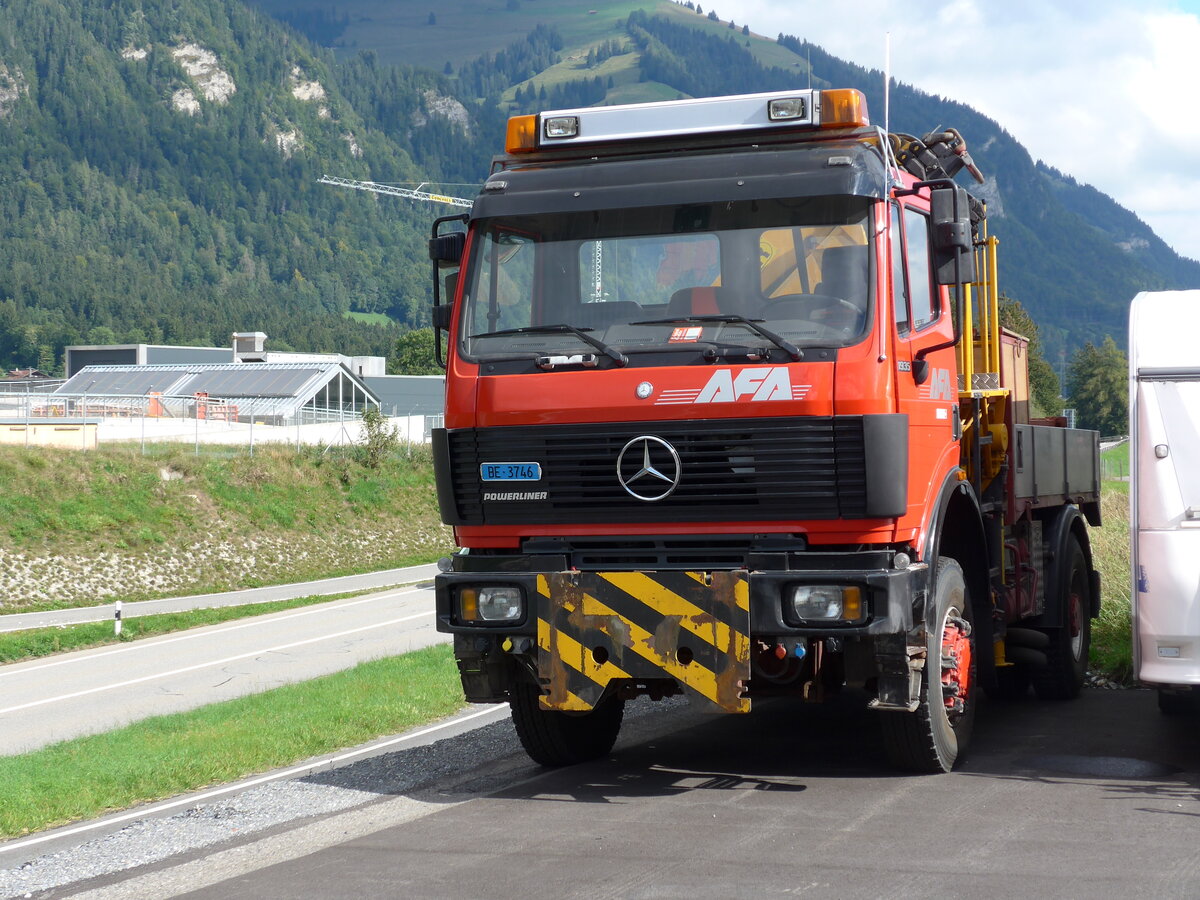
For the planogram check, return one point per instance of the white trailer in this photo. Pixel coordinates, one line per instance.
(1164, 421)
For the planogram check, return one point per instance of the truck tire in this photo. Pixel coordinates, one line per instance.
(1012, 684)
(935, 737)
(1067, 655)
(554, 738)
(1173, 703)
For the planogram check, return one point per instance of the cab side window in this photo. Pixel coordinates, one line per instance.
(920, 286)
(899, 280)
(505, 283)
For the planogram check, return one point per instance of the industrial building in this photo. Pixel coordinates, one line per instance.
(247, 346)
(270, 392)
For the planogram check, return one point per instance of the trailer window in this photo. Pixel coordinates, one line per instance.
(1168, 413)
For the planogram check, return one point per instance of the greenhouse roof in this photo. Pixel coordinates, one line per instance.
(281, 387)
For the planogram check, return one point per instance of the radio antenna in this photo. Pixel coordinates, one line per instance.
(887, 81)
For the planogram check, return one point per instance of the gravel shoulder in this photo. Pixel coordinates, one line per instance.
(108, 847)
(167, 848)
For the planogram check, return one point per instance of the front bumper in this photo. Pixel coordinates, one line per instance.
(582, 633)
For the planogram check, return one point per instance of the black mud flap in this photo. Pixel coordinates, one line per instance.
(595, 627)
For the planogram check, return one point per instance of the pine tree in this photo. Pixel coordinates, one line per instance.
(1097, 387)
(1043, 383)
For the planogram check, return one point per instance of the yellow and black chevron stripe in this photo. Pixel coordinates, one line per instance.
(594, 627)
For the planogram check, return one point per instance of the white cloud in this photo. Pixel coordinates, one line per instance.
(1102, 90)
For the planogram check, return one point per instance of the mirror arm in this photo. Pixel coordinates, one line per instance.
(434, 316)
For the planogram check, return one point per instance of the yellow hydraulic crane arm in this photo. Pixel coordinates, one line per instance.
(393, 191)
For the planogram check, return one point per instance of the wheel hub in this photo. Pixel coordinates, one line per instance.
(1076, 624)
(956, 664)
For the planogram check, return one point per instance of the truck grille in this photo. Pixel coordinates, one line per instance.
(730, 470)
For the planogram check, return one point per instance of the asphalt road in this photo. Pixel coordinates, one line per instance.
(91, 691)
(344, 584)
(1094, 798)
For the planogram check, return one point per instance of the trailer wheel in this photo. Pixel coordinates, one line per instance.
(1067, 655)
(1012, 683)
(1173, 703)
(555, 738)
(936, 736)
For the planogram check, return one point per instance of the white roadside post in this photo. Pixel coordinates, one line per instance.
(117, 618)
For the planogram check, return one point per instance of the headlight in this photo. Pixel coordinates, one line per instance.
(827, 602)
(498, 603)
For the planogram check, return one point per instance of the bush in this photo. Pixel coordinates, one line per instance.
(380, 440)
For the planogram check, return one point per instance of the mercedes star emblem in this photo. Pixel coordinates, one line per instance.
(648, 468)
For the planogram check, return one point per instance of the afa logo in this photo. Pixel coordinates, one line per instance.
(759, 383)
(940, 386)
(753, 383)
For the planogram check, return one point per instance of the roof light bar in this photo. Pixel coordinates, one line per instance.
(554, 127)
(789, 110)
(843, 108)
(522, 134)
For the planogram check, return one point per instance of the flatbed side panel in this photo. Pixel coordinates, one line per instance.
(1055, 465)
(594, 627)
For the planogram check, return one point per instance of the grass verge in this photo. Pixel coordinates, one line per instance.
(77, 529)
(17, 646)
(1112, 648)
(169, 755)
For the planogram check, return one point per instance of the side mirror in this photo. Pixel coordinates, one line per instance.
(447, 249)
(920, 370)
(441, 316)
(950, 215)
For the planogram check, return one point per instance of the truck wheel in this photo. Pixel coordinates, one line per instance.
(555, 738)
(1012, 683)
(936, 736)
(1067, 656)
(1173, 703)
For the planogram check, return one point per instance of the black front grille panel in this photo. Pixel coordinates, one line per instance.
(707, 552)
(730, 470)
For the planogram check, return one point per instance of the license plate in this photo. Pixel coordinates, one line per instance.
(524, 471)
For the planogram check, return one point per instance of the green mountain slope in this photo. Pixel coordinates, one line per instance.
(1072, 255)
(159, 183)
(158, 160)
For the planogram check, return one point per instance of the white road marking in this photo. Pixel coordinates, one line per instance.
(215, 662)
(144, 811)
(146, 644)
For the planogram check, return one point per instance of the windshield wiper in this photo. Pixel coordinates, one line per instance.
(615, 355)
(782, 343)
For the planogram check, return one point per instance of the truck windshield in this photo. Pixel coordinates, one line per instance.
(798, 266)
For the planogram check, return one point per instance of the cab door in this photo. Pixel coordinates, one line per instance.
(922, 322)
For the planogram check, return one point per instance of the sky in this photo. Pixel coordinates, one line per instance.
(1103, 90)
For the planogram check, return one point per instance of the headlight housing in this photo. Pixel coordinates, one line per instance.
(491, 604)
(832, 603)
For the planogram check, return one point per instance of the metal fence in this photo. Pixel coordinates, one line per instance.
(37, 418)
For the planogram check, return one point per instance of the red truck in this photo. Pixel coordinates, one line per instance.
(730, 414)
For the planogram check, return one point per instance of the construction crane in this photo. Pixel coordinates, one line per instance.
(391, 190)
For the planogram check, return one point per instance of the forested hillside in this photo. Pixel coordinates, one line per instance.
(159, 166)
(158, 160)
